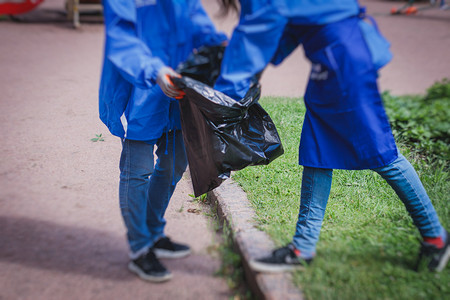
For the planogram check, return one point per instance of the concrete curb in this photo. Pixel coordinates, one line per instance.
(234, 208)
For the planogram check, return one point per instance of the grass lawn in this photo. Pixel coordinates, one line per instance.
(368, 244)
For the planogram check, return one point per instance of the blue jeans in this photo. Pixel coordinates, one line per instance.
(401, 176)
(145, 189)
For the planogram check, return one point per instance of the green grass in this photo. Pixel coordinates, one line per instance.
(231, 269)
(423, 122)
(368, 244)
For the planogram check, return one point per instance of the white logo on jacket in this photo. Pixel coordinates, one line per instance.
(317, 72)
(140, 3)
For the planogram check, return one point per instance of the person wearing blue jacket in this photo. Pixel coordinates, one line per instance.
(145, 40)
(345, 125)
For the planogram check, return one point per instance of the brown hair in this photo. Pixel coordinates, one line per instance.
(227, 5)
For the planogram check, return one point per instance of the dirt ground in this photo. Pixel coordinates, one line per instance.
(61, 233)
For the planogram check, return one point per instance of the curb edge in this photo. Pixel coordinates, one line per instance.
(233, 207)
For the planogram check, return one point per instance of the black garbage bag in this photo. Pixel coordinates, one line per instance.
(223, 135)
(203, 64)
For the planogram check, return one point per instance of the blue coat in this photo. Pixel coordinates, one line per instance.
(141, 37)
(345, 124)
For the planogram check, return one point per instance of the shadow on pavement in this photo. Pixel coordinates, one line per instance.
(47, 245)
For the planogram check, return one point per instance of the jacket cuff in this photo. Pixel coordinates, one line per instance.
(152, 74)
(215, 39)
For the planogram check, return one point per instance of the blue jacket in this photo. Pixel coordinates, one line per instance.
(141, 37)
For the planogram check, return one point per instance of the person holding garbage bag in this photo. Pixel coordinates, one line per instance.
(345, 125)
(145, 41)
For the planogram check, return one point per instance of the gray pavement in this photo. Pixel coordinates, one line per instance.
(61, 234)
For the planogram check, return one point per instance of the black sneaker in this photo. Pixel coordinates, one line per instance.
(148, 267)
(165, 248)
(282, 259)
(433, 258)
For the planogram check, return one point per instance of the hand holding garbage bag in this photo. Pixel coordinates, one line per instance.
(164, 81)
(223, 135)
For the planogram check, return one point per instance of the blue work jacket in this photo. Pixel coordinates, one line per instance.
(345, 125)
(141, 37)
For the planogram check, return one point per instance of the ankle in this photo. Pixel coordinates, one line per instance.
(300, 254)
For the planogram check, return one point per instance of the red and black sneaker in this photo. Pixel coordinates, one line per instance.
(432, 257)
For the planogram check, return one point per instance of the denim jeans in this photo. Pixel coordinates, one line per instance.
(401, 176)
(145, 188)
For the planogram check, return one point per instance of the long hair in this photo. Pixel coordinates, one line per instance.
(229, 5)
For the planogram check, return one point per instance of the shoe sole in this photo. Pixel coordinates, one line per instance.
(161, 253)
(135, 269)
(272, 268)
(444, 260)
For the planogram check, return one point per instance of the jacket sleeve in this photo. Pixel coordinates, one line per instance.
(124, 49)
(252, 46)
(204, 31)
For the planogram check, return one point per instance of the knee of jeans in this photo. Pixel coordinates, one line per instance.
(139, 173)
(398, 163)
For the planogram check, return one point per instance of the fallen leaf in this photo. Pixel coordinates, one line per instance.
(194, 210)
